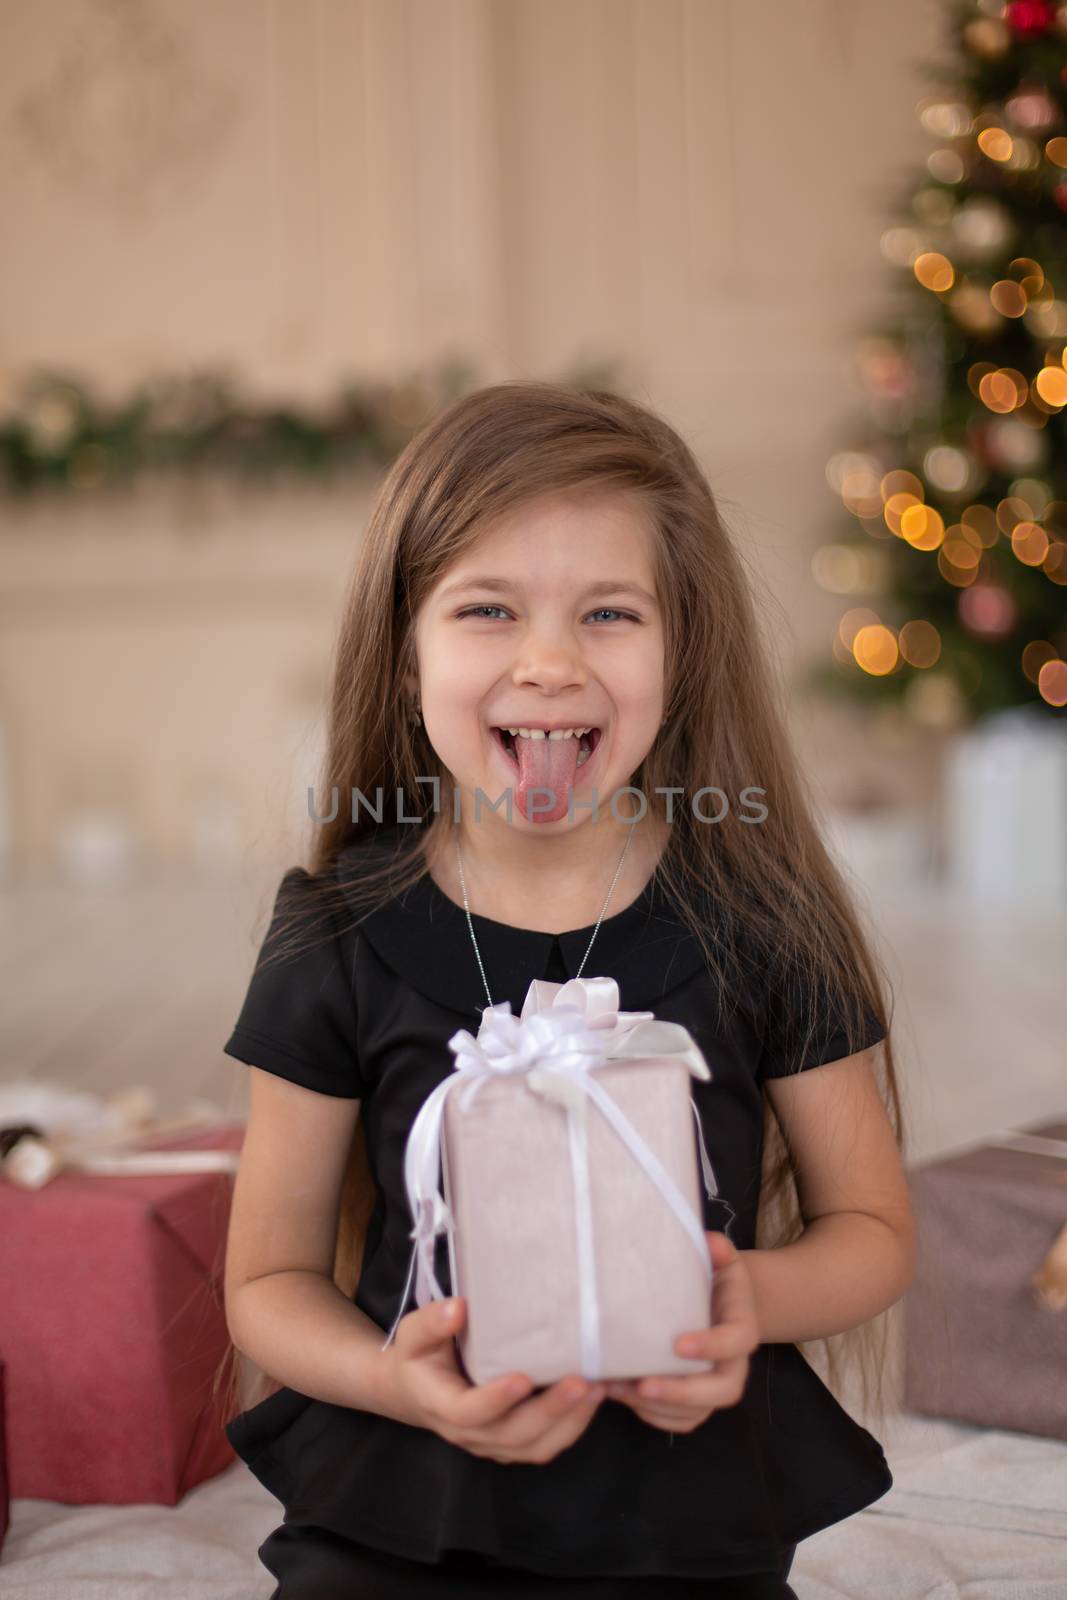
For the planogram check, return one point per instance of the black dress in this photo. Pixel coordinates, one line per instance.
(368, 1014)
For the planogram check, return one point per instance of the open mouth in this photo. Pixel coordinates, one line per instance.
(588, 742)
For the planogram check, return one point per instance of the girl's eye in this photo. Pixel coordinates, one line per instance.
(611, 611)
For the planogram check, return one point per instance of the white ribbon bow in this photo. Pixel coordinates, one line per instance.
(565, 1032)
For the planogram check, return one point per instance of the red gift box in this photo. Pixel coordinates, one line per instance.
(5, 1493)
(112, 1329)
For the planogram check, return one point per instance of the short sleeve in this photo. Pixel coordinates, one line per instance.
(807, 1026)
(298, 1018)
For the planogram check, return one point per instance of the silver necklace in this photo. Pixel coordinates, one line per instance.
(596, 930)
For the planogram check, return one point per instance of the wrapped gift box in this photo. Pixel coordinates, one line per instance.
(514, 1247)
(986, 1315)
(112, 1327)
(572, 1196)
(5, 1491)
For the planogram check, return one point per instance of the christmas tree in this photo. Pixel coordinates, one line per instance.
(952, 561)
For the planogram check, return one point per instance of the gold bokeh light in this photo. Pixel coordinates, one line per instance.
(919, 643)
(851, 623)
(875, 649)
(1012, 510)
(1034, 656)
(1003, 390)
(1055, 563)
(934, 271)
(961, 547)
(901, 481)
(895, 507)
(1025, 269)
(922, 527)
(1051, 385)
(960, 576)
(995, 143)
(980, 522)
(1052, 682)
(1029, 543)
(1008, 297)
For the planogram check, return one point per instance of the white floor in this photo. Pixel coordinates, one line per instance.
(110, 989)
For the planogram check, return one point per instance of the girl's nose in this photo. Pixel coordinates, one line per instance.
(549, 663)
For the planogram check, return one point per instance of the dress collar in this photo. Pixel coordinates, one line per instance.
(423, 936)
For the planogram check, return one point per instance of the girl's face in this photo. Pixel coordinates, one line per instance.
(550, 621)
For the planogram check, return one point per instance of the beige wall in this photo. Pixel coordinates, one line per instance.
(308, 187)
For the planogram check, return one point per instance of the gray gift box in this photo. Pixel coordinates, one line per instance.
(986, 1315)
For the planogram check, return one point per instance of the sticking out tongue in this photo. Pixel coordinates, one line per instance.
(546, 764)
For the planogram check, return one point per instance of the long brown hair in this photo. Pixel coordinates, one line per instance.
(780, 890)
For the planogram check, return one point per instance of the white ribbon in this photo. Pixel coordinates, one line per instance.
(565, 1032)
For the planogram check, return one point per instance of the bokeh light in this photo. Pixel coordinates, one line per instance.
(1008, 298)
(1003, 389)
(988, 610)
(875, 649)
(1051, 385)
(1034, 656)
(1054, 565)
(996, 143)
(945, 119)
(981, 525)
(848, 569)
(919, 643)
(1029, 543)
(934, 271)
(1052, 682)
(921, 526)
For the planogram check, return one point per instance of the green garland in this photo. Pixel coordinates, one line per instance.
(61, 437)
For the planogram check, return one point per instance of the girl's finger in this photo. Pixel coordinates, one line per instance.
(729, 1289)
(661, 1416)
(720, 1343)
(639, 1388)
(554, 1410)
(722, 1249)
(674, 1421)
(684, 1394)
(622, 1389)
(478, 1405)
(732, 1299)
(716, 1389)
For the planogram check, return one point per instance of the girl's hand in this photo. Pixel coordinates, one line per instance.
(424, 1385)
(678, 1405)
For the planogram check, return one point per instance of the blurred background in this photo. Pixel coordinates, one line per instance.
(252, 247)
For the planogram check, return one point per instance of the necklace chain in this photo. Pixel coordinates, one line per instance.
(596, 930)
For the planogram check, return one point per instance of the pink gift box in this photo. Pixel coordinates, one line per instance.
(112, 1329)
(514, 1250)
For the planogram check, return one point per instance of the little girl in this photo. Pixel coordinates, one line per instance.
(555, 749)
